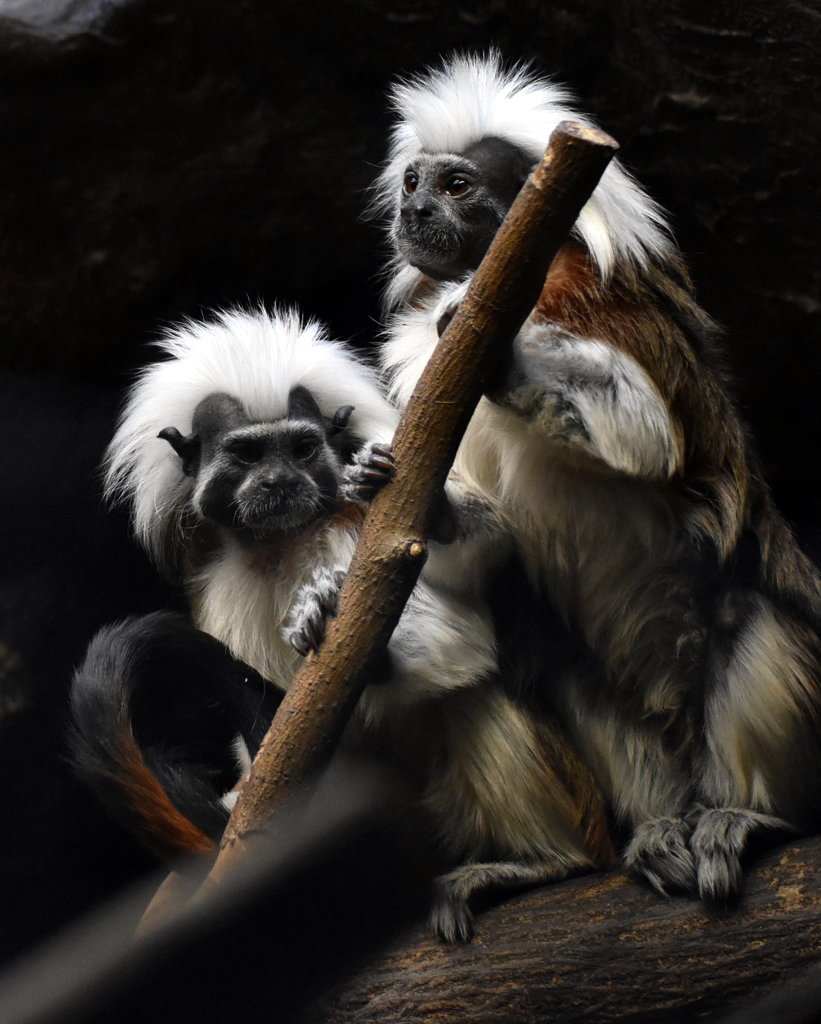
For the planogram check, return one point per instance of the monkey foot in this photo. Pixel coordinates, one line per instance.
(659, 852)
(719, 838)
(451, 918)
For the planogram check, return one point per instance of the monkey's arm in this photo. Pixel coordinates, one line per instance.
(588, 394)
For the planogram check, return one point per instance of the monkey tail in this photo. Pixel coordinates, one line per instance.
(156, 708)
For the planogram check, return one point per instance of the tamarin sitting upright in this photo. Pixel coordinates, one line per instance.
(239, 455)
(612, 449)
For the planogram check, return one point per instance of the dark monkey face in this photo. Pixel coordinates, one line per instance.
(260, 479)
(451, 205)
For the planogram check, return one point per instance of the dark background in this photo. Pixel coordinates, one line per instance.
(161, 158)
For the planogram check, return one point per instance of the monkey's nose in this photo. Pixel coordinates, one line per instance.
(417, 211)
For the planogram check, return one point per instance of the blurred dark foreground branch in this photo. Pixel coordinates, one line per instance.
(327, 928)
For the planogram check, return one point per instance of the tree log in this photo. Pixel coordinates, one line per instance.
(599, 949)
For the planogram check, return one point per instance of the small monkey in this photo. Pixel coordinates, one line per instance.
(240, 458)
(682, 628)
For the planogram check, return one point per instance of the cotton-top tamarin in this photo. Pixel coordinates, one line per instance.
(239, 457)
(612, 447)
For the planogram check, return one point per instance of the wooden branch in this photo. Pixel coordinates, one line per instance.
(600, 948)
(392, 548)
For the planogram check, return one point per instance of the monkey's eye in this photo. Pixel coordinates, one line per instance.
(305, 449)
(246, 452)
(409, 183)
(456, 185)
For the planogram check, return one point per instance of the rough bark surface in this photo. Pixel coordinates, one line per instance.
(599, 949)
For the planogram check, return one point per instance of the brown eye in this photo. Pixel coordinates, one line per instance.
(305, 449)
(245, 452)
(409, 183)
(456, 186)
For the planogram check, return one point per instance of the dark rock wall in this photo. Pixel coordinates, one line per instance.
(166, 156)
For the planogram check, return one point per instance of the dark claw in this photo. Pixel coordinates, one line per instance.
(314, 635)
(299, 645)
(443, 321)
(384, 450)
(339, 577)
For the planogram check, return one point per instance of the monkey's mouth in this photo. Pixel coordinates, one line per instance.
(430, 250)
(270, 516)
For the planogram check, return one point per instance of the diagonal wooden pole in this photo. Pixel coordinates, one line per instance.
(393, 544)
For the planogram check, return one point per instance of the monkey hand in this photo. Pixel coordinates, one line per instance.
(372, 468)
(315, 602)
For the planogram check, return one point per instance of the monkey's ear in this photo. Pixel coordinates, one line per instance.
(302, 405)
(340, 419)
(188, 448)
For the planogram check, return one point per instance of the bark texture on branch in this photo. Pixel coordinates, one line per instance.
(597, 950)
(392, 547)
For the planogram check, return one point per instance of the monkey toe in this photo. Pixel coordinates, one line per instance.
(451, 919)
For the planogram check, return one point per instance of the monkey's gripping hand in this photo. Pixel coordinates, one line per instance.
(586, 393)
(372, 468)
(315, 602)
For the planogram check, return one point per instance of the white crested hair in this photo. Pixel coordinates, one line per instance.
(469, 97)
(255, 356)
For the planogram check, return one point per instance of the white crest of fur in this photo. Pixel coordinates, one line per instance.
(470, 97)
(255, 356)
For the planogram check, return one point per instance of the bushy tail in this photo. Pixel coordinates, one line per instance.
(156, 708)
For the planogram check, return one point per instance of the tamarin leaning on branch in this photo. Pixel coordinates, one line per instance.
(239, 456)
(682, 651)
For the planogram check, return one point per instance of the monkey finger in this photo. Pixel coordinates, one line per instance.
(299, 645)
(443, 321)
(378, 474)
(316, 633)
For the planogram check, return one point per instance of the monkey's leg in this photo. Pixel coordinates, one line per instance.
(645, 780)
(511, 795)
(761, 755)
(451, 918)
